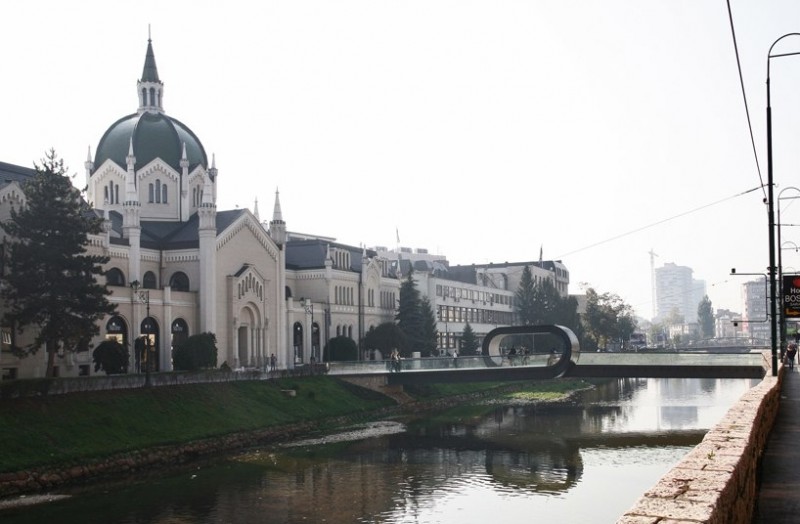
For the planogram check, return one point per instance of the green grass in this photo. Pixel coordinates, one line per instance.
(68, 429)
(65, 429)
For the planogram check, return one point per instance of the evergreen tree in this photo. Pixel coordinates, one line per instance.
(409, 317)
(525, 299)
(50, 281)
(469, 342)
(546, 303)
(705, 315)
(429, 331)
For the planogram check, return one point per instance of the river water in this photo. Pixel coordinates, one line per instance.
(582, 462)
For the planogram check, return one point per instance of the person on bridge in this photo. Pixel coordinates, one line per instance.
(395, 361)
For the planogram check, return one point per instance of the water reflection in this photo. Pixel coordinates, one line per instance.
(582, 462)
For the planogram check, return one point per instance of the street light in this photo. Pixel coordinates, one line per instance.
(782, 339)
(143, 296)
(309, 307)
(770, 209)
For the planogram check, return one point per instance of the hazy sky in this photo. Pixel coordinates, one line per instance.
(481, 130)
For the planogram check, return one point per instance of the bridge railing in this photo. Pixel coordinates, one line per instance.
(661, 359)
(439, 363)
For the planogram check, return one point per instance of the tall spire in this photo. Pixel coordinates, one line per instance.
(277, 227)
(150, 87)
(277, 215)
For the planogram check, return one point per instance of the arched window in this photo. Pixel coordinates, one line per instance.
(116, 193)
(158, 191)
(164, 193)
(105, 195)
(114, 277)
(179, 281)
(150, 193)
(149, 280)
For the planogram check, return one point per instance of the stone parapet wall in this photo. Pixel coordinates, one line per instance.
(717, 483)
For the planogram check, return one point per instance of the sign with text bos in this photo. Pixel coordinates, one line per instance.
(791, 296)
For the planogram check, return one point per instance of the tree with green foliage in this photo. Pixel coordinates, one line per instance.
(340, 348)
(50, 283)
(413, 319)
(111, 357)
(469, 341)
(540, 303)
(525, 299)
(196, 352)
(384, 338)
(705, 317)
(429, 332)
(607, 318)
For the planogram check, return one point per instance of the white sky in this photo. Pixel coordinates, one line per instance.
(480, 130)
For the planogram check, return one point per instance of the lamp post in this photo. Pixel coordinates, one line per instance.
(309, 308)
(143, 296)
(770, 209)
(782, 313)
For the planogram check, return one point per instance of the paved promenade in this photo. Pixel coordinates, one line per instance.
(779, 484)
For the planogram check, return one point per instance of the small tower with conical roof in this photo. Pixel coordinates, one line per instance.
(207, 232)
(151, 88)
(131, 217)
(277, 227)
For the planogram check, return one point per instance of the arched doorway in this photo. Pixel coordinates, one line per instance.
(147, 352)
(297, 342)
(179, 332)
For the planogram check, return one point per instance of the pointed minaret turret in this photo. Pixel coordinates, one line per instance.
(89, 166)
(255, 210)
(185, 208)
(207, 235)
(150, 88)
(131, 216)
(277, 227)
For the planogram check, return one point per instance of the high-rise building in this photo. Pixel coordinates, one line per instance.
(676, 290)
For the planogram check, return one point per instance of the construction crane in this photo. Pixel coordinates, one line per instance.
(653, 256)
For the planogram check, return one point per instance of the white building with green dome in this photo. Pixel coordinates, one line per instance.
(178, 266)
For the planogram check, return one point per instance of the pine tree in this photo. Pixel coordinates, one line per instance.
(409, 317)
(50, 283)
(525, 299)
(429, 331)
(469, 342)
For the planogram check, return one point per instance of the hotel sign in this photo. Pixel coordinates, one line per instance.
(791, 296)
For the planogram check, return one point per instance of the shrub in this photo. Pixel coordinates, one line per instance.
(196, 352)
(112, 357)
(341, 348)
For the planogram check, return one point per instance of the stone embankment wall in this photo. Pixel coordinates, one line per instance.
(716, 483)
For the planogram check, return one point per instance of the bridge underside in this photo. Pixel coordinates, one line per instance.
(501, 374)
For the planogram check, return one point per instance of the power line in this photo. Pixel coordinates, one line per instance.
(744, 97)
(648, 226)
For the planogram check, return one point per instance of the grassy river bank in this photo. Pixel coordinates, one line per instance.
(80, 437)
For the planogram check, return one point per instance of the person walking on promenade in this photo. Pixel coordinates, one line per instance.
(791, 352)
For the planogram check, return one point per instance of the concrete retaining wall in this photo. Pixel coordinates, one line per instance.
(716, 482)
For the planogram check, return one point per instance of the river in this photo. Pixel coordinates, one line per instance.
(586, 461)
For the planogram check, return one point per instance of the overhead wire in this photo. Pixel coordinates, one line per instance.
(744, 97)
(653, 224)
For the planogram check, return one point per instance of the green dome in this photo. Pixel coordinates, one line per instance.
(155, 135)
